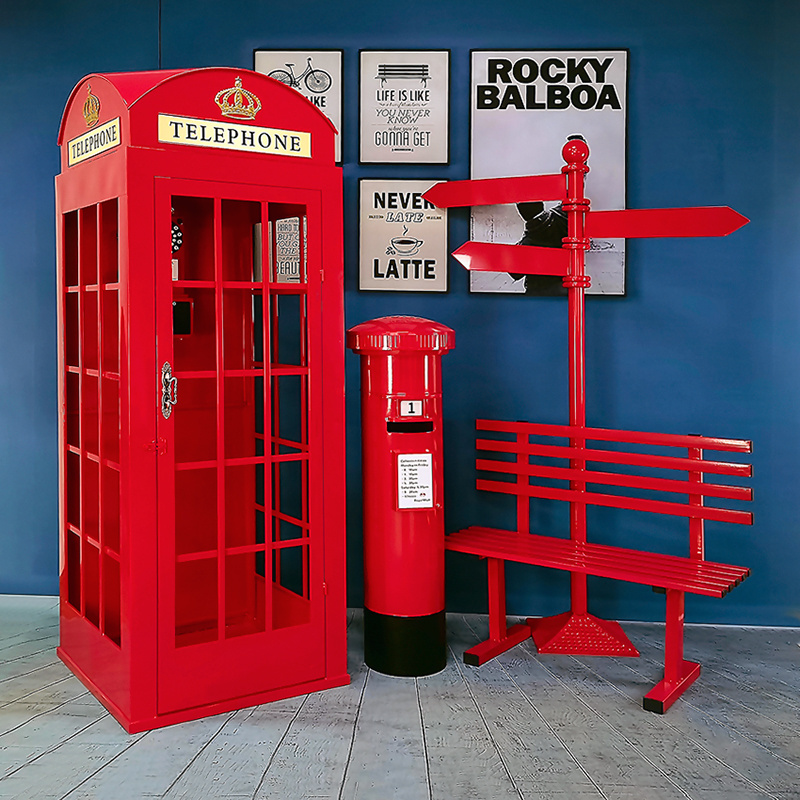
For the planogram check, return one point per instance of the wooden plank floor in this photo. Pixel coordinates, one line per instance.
(522, 726)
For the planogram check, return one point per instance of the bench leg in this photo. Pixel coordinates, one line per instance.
(679, 675)
(501, 637)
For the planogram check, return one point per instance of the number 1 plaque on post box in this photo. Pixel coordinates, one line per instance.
(201, 394)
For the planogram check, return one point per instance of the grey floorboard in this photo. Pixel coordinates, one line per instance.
(522, 727)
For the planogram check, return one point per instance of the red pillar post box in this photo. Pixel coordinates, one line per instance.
(401, 413)
(201, 392)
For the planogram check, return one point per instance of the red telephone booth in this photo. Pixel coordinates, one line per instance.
(201, 341)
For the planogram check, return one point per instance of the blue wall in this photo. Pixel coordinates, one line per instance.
(705, 341)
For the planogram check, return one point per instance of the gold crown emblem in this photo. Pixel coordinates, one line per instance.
(238, 102)
(91, 109)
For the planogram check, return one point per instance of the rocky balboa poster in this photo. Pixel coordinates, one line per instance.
(524, 105)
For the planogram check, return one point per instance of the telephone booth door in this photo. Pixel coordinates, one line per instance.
(239, 480)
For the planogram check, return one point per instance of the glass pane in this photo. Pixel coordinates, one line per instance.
(195, 511)
(244, 596)
(284, 530)
(290, 604)
(70, 254)
(243, 404)
(73, 567)
(195, 418)
(240, 504)
(239, 218)
(87, 242)
(89, 332)
(194, 328)
(287, 243)
(73, 480)
(90, 483)
(73, 401)
(90, 419)
(289, 488)
(91, 583)
(111, 421)
(288, 330)
(110, 333)
(109, 242)
(72, 340)
(109, 478)
(193, 251)
(112, 622)
(243, 332)
(288, 413)
(196, 602)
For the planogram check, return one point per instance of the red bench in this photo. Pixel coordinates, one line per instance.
(551, 462)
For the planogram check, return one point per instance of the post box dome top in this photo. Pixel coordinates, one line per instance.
(146, 103)
(401, 334)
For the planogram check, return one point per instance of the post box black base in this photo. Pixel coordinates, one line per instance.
(407, 647)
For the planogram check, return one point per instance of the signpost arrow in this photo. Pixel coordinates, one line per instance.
(497, 191)
(485, 257)
(652, 222)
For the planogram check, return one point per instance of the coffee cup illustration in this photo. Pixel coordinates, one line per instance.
(406, 245)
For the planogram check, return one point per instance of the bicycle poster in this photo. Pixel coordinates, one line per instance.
(316, 74)
(402, 237)
(404, 106)
(523, 106)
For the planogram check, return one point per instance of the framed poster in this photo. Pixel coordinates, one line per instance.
(404, 107)
(316, 74)
(524, 105)
(402, 238)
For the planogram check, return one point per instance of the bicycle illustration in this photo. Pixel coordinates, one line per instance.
(316, 80)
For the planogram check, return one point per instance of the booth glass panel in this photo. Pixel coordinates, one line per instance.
(196, 611)
(70, 248)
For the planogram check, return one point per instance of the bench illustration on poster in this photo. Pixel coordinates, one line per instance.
(406, 72)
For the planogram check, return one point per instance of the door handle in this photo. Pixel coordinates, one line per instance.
(169, 390)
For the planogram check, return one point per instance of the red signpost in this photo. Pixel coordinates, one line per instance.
(576, 632)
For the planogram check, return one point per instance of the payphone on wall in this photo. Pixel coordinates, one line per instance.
(201, 394)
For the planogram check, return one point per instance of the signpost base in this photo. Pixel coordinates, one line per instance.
(580, 635)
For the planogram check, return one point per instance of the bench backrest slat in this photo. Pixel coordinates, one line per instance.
(615, 501)
(610, 435)
(616, 457)
(686, 487)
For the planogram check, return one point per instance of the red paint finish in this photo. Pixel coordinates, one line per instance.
(201, 431)
(401, 412)
(643, 223)
(530, 260)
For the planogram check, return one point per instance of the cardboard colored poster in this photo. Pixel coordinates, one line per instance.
(404, 106)
(402, 237)
(316, 74)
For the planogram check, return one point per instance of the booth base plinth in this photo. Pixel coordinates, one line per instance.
(186, 715)
(405, 647)
(580, 635)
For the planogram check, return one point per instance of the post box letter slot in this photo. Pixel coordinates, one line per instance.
(423, 426)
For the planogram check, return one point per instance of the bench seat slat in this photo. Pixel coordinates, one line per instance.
(614, 457)
(656, 569)
(615, 501)
(612, 435)
(675, 567)
(617, 479)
